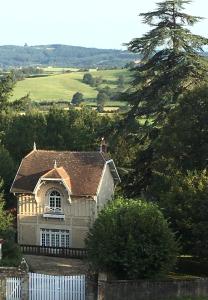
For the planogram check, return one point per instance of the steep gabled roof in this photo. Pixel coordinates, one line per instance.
(83, 170)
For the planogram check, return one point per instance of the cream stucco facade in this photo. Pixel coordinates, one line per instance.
(78, 213)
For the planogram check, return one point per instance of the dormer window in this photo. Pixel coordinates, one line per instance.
(55, 201)
(53, 207)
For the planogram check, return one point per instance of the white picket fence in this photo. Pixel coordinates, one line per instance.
(48, 287)
(13, 288)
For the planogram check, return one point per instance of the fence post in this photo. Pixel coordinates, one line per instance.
(25, 287)
(2, 288)
(91, 287)
(102, 280)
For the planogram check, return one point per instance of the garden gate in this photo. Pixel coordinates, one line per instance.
(47, 287)
(13, 288)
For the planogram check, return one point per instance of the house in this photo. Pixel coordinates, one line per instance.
(59, 195)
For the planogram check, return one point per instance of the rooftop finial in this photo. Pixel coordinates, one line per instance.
(55, 164)
(103, 145)
(34, 146)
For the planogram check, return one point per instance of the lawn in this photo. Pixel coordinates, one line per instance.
(62, 86)
(54, 87)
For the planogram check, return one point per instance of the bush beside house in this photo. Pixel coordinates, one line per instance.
(131, 239)
(11, 254)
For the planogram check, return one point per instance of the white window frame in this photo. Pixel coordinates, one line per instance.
(56, 198)
(53, 211)
(55, 238)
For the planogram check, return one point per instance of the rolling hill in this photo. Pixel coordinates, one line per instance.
(63, 56)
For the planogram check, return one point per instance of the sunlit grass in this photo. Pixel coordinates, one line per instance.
(64, 85)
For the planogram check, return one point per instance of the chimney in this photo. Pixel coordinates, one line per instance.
(34, 146)
(55, 164)
(103, 145)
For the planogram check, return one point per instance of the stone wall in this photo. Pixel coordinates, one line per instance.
(151, 290)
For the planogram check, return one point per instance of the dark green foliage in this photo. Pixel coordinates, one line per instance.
(22, 131)
(77, 98)
(192, 265)
(6, 86)
(7, 168)
(102, 98)
(184, 138)
(171, 68)
(88, 79)
(58, 129)
(185, 204)
(92, 81)
(182, 144)
(121, 81)
(131, 239)
(21, 73)
(22, 104)
(5, 218)
(11, 252)
(171, 170)
(171, 63)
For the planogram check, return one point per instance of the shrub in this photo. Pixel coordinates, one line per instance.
(77, 98)
(10, 250)
(186, 206)
(11, 253)
(131, 239)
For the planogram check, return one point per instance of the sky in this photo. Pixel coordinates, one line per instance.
(89, 23)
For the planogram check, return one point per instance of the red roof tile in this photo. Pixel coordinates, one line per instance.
(82, 170)
(59, 173)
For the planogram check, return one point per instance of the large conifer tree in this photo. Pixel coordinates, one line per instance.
(172, 64)
(171, 60)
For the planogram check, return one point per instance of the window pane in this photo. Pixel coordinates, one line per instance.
(43, 239)
(55, 200)
(67, 241)
(58, 202)
(47, 243)
(55, 238)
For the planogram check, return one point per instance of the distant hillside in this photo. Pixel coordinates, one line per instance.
(63, 55)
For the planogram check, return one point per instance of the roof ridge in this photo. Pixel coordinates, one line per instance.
(33, 150)
(62, 151)
(103, 156)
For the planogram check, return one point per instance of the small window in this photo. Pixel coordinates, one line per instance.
(55, 200)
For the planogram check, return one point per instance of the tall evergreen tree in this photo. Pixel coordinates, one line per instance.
(172, 66)
(171, 60)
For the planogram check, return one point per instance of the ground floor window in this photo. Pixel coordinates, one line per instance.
(55, 238)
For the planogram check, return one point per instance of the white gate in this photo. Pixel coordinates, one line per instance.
(48, 287)
(13, 288)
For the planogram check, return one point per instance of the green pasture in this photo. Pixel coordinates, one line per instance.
(55, 70)
(63, 86)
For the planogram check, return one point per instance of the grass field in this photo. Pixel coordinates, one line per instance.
(58, 86)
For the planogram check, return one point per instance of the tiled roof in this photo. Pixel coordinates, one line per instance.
(58, 173)
(82, 170)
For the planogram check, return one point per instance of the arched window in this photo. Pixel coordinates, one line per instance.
(55, 201)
